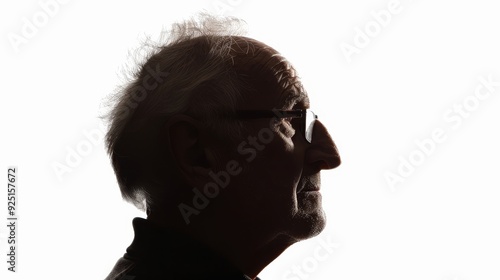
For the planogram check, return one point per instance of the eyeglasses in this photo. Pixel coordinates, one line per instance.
(306, 116)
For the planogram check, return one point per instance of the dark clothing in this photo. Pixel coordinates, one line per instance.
(160, 254)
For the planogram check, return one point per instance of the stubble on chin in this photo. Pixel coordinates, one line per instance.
(309, 219)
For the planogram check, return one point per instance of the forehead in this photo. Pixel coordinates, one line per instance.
(273, 80)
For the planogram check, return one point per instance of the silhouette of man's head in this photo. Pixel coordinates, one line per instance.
(214, 138)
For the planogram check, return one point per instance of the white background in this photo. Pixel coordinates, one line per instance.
(441, 222)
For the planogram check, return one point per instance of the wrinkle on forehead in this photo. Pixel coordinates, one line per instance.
(258, 61)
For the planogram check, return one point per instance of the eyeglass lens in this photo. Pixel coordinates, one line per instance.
(310, 119)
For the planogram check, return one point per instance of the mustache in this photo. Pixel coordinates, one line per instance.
(309, 183)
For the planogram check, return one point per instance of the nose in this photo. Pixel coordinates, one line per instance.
(322, 153)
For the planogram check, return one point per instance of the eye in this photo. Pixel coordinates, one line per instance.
(287, 126)
(295, 122)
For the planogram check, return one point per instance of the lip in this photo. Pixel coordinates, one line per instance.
(309, 188)
(309, 191)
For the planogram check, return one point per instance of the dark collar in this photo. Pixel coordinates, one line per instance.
(162, 252)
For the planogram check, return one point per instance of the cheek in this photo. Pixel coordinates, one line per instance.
(284, 159)
(285, 148)
(270, 155)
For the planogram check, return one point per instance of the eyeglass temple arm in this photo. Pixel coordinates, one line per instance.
(254, 114)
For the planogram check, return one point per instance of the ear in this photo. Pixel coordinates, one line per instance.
(188, 150)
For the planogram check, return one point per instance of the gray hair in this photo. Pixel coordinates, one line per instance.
(188, 72)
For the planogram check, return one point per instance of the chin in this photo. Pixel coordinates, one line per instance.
(307, 224)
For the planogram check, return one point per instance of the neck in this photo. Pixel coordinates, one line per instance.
(246, 245)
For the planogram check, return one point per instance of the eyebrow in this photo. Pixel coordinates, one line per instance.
(295, 99)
